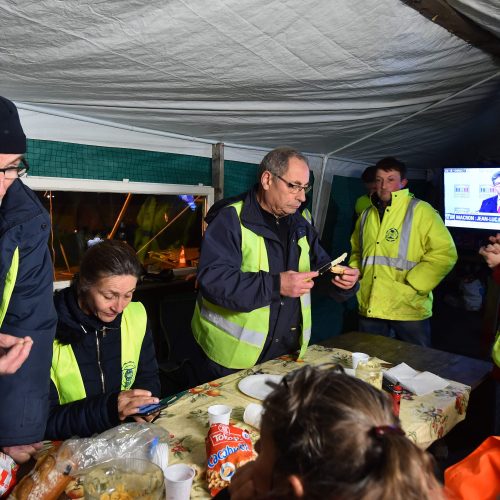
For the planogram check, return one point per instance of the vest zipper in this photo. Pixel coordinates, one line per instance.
(98, 348)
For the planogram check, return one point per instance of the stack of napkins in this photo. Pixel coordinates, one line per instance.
(420, 383)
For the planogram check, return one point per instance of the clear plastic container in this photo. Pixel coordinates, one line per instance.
(370, 371)
(124, 479)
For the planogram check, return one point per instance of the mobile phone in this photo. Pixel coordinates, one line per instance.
(146, 410)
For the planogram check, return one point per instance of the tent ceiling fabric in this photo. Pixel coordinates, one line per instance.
(258, 73)
(485, 13)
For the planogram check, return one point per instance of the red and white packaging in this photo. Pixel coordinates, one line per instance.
(8, 472)
(228, 447)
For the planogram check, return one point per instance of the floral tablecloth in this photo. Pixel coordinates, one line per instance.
(423, 418)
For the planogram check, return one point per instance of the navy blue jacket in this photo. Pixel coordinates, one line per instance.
(24, 223)
(489, 205)
(223, 283)
(99, 410)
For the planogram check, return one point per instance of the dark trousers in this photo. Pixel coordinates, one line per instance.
(415, 332)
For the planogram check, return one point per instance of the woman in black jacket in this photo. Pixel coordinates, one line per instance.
(104, 364)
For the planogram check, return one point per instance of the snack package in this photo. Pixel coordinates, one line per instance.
(8, 471)
(228, 447)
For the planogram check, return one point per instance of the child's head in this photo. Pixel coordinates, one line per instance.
(326, 435)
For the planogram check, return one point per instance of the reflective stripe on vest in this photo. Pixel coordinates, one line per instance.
(307, 215)
(65, 372)
(305, 300)
(240, 332)
(235, 339)
(401, 263)
(10, 281)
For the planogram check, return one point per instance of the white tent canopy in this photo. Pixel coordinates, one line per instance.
(485, 13)
(360, 79)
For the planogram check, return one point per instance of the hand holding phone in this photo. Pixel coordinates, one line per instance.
(149, 409)
(129, 401)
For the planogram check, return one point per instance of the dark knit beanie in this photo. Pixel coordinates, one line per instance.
(12, 138)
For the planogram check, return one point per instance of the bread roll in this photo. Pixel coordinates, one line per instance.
(44, 482)
(337, 269)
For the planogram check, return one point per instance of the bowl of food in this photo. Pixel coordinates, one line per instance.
(124, 479)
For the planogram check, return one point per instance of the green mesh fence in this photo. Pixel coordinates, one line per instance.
(238, 177)
(80, 161)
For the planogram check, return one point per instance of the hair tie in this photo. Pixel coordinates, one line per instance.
(95, 241)
(381, 430)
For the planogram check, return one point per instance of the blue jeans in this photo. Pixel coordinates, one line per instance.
(415, 332)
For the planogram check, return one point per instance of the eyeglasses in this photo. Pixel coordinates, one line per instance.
(15, 172)
(496, 184)
(294, 188)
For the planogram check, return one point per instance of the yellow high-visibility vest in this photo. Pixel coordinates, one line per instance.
(235, 339)
(65, 372)
(10, 281)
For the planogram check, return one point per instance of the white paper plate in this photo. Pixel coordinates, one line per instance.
(349, 371)
(256, 386)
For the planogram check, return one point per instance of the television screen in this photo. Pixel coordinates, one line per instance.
(471, 197)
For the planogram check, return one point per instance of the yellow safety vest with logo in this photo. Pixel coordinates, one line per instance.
(236, 339)
(65, 372)
(387, 252)
(10, 282)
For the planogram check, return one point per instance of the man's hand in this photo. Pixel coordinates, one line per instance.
(347, 279)
(13, 352)
(129, 402)
(294, 284)
(491, 252)
(22, 453)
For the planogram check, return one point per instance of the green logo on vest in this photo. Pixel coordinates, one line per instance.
(392, 234)
(128, 370)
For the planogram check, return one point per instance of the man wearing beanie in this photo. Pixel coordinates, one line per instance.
(26, 303)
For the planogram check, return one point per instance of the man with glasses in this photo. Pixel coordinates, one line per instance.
(257, 267)
(492, 205)
(26, 304)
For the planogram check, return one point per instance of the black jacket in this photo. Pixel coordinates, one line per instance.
(88, 335)
(25, 224)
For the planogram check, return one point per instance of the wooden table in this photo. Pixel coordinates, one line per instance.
(468, 371)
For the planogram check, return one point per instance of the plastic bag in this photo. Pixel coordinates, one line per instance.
(132, 440)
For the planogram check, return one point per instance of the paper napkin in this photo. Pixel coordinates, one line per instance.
(420, 383)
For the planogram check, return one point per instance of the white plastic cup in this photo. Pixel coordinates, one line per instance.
(178, 481)
(357, 357)
(253, 415)
(219, 414)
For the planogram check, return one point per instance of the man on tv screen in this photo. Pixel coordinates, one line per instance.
(492, 205)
